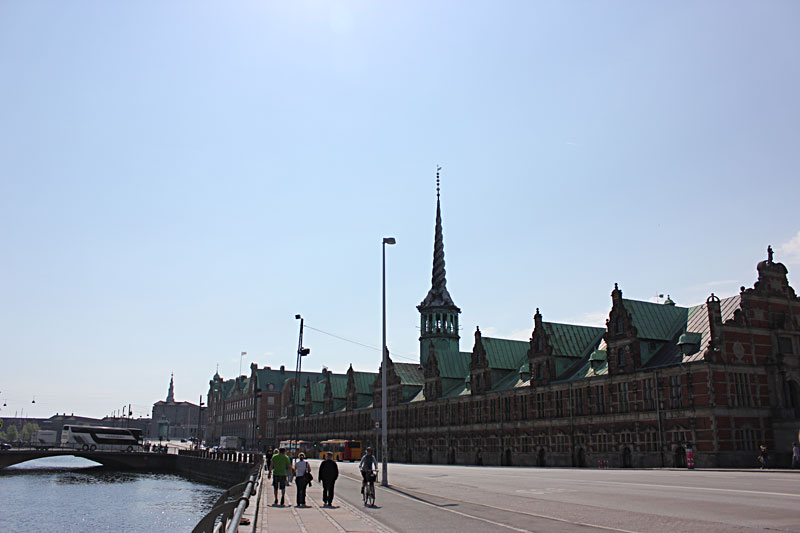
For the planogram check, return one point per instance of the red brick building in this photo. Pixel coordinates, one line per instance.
(723, 376)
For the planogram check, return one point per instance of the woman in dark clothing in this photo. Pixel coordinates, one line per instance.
(328, 472)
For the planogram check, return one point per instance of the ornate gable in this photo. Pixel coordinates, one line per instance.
(308, 401)
(480, 374)
(540, 355)
(393, 386)
(621, 337)
(327, 396)
(351, 395)
(433, 380)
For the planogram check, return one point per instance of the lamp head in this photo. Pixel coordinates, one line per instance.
(297, 317)
(389, 240)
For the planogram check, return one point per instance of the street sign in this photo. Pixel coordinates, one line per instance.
(377, 425)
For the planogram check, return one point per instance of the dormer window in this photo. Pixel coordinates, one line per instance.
(620, 325)
(621, 357)
(539, 344)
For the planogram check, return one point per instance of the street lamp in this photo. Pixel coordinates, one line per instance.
(384, 363)
(301, 352)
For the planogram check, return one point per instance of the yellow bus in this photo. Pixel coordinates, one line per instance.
(293, 447)
(342, 450)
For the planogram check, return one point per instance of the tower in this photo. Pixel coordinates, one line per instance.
(438, 313)
(171, 393)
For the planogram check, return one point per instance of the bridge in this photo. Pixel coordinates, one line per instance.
(116, 459)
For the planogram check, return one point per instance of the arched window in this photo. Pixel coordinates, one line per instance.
(621, 357)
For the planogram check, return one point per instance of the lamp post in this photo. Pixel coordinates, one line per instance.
(384, 363)
(300, 353)
(199, 418)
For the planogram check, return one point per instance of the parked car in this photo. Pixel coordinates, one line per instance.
(5, 446)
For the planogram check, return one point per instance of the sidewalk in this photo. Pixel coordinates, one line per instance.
(340, 518)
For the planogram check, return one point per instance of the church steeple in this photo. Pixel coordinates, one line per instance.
(438, 313)
(171, 393)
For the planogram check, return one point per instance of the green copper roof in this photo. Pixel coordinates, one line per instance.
(409, 373)
(505, 354)
(571, 340)
(656, 321)
(453, 364)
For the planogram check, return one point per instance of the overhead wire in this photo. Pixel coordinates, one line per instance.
(357, 343)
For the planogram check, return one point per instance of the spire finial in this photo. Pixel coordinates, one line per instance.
(438, 295)
(769, 248)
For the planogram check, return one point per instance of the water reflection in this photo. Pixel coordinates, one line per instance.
(70, 495)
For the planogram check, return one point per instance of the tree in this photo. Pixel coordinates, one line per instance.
(12, 433)
(28, 430)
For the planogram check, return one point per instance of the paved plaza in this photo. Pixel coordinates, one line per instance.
(442, 498)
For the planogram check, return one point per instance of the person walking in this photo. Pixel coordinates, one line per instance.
(279, 465)
(763, 457)
(301, 468)
(328, 472)
(795, 455)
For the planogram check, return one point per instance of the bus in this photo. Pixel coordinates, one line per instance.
(91, 438)
(342, 450)
(292, 446)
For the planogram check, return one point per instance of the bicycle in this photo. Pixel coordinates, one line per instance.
(369, 490)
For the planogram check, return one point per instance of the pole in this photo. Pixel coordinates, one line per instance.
(384, 366)
(293, 435)
(199, 417)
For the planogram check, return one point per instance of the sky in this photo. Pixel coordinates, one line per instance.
(178, 179)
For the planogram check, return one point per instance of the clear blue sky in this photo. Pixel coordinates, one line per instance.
(179, 179)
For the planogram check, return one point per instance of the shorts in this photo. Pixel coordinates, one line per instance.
(279, 482)
(368, 476)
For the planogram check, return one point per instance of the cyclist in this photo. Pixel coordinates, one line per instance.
(368, 468)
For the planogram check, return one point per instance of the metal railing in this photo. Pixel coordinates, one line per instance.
(226, 513)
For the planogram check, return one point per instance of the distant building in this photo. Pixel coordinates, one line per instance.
(250, 406)
(176, 420)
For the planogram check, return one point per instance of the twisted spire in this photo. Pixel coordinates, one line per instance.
(438, 295)
(171, 393)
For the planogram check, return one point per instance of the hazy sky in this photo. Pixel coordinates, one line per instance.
(179, 179)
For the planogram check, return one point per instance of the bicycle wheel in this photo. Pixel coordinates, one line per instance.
(370, 495)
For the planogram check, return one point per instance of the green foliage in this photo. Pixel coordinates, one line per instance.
(28, 430)
(12, 433)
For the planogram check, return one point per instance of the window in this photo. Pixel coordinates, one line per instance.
(559, 402)
(601, 399)
(785, 345)
(540, 405)
(577, 402)
(675, 391)
(742, 397)
(620, 325)
(649, 394)
(621, 358)
(746, 439)
(622, 390)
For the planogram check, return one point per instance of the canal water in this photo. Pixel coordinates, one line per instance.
(67, 494)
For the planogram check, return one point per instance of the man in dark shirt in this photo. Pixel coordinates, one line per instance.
(328, 472)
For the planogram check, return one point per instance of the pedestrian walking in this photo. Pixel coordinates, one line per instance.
(301, 468)
(279, 465)
(328, 472)
(763, 457)
(795, 455)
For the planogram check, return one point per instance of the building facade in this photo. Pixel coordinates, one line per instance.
(176, 420)
(722, 378)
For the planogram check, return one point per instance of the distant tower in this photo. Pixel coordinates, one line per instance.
(438, 313)
(171, 393)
